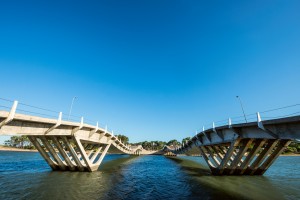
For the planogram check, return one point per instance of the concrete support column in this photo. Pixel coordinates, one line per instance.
(242, 150)
(271, 144)
(224, 150)
(83, 153)
(53, 153)
(218, 152)
(227, 156)
(95, 166)
(268, 162)
(209, 163)
(63, 153)
(43, 153)
(91, 151)
(215, 160)
(72, 152)
(258, 143)
(95, 155)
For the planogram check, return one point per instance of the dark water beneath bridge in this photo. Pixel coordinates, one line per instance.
(25, 175)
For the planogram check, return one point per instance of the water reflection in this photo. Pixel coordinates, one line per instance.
(27, 176)
(78, 185)
(245, 187)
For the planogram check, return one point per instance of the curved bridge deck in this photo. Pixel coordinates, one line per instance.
(65, 145)
(240, 149)
(243, 149)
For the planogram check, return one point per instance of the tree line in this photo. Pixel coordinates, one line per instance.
(24, 143)
(19, 142)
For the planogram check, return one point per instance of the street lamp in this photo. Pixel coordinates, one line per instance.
(242, 107)
(71, 107)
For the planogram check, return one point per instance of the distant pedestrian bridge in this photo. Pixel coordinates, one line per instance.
(231, 149)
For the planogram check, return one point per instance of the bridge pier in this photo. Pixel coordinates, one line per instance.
(243, 156)
(69, 153)
(137, 152)
(169, 154)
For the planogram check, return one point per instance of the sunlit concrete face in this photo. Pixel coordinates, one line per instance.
(243, 149)
(65, 145)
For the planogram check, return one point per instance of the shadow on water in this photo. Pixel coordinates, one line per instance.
(116, 164)
(64, 184)
(27, 176)
(192, 167)
(226, 187)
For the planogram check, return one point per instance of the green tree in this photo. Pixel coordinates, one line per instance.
(7, 143)
(123, 138)
(20, 142)
(294, 147)
(173, 143)
(185, 140)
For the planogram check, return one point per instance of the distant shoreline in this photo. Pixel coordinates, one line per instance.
(293, 154)
(4, 148)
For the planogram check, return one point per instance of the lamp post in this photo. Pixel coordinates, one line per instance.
(71, 107)
(242, 107)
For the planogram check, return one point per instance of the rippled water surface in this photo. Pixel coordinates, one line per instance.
(25, 175)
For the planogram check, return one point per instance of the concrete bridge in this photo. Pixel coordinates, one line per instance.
(232, 149)
(242, 149)
(65, 145)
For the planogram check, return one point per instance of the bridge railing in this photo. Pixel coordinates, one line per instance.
(27, 109)
(276, 113)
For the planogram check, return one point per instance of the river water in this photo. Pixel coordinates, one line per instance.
(25, 175)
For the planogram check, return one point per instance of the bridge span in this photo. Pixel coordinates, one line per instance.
(232, 149)
(242, 149)
(63, 144)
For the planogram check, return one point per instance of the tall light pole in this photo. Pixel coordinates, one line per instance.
(71, 107)
(242, 107)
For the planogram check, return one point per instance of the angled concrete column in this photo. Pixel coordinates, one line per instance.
(53, 153)
(43, 153)
(95, 155)
(271, 144)
(268, 162)
(257, 146)
(218, 152)
(95, 166)
(72, 152)
(83, 154)
(209, 163)
(63, 153)
(245, 145)
(227, 156)
(215, 160)
(91, 151)
(224, 150)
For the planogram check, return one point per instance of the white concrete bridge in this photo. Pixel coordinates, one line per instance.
(242, 149)
(232, 149)
(65, 145)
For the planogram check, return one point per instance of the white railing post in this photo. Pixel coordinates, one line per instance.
(259, 122)
(11, 114)
(229, 123)
(58, 123)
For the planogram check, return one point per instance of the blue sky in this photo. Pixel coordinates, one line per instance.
(152, 70)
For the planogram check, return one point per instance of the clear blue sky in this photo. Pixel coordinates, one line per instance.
(154, 69)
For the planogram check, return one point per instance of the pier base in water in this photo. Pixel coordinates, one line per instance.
(243, 156)
(69, 153)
